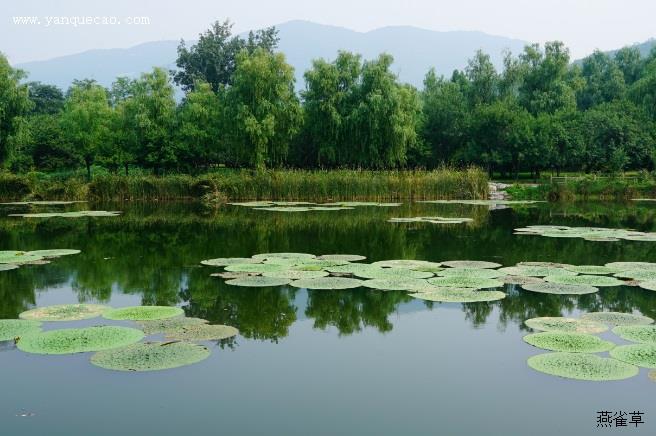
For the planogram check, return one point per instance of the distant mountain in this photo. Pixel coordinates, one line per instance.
(643, 47)
(415, 51)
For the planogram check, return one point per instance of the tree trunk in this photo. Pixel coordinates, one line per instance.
(88, 164)
(127, 165)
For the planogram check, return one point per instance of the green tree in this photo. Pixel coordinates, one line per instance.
(213, 58)
(46, 99)
(629, 61)
(604, 81)
(482, 78)
(14, 102)
(84, 121)
(263, 109)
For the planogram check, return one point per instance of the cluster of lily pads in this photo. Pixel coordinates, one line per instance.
(451, 281)
(305, 206)
(574, 346)
(490, 202)
(117, 347)
(598, 234)
(431, 219)
(10, 259)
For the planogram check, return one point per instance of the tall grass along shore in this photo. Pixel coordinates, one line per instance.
(231, 185)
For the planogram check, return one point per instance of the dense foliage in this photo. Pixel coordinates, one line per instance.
(240, 109)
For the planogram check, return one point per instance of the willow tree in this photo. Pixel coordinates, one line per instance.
(14, 102)
(263, 109)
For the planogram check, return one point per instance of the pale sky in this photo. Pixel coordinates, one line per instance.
(582, 24)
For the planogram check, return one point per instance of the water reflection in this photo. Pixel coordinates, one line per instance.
(153, 252)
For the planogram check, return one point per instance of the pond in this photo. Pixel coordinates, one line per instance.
(316, 362)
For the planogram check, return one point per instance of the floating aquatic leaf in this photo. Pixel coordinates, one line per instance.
(592, 269)
(632, 266)
(535, 271)
(617, 318)
(584, 280)
(561, 324)
(588, 233)
(13, 328)
(643, 355)
(67, 341)
(391, 273)
(151, 356)
(166, 324)
(295, 274)
(342, 257)
(142, 313)
(255, 267)
(225, 261)
(398, 284)
(7, 266)
(470, 272)
(327, 283)
(582, 366)
(258, 281)
(465, 282)
(544, 264)
(253, 204)
(560, 289)
(201, 332)
(353, 268)
(649, 285)
(406, 263)
(645, 334)
(470, 264)
(321, 263)
(20, 259)
(284, 209)
(64, 312)
(263, 256)
(53, 253)
(520, 280)
(459, 295)
(431, 219)
(233, 275)
(641, 274)
(568, 341)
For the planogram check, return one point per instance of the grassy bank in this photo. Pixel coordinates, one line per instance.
(587, 189)
(230, 185)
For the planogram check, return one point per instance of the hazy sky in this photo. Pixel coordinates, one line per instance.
(582, 24)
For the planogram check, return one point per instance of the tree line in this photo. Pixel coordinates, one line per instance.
(240, 109)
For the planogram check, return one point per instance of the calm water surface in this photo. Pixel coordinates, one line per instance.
(358, 362)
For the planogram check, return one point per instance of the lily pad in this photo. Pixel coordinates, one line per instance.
(201, 332)
(151, 356)
(64, 312)
(328, 283)
(408, 284)
(255, 267)
(163, 325)
(569, 325)
(67, 341)
(471, 273)
(263, 256)
(293, 274)
(465, 282)
(592, 269)
(581, 366)
(13, 328)
(391, 273)
(342, 257)
(568, 341)
(644, 334)
(232, 275)
(20, 258)
(560, 289)
(7, 266)
(520, 280)
(632, 266)
(470, 264)
(142, 313)
(406, 263)
(225, 261)
(258, 281)
(53, 253)
(253, 204)
(534, 271)
(650, 285)
(459, 295)
(588, 280)
(643, 355)
(618, 318)
(645, 275)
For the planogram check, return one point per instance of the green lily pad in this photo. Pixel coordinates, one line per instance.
(406, 263)
(151, 356)
(327, 283)
(342, 257)
(561, 266)
(292, 274)
(64, 312)
(232, 275)
(477, 264)
(592, 269)
(7, 266)
(258, 281)
(263, 256)
(520, 280)
(13, 328)
(391, 273)
(166, 324)
(354, 268)
(67, 341)
(568, 342)
(321, 263)
(560, 289)
(644, 334)
(201, 332)
(569, 325)
(459, 295)
(650, 285)
(618, 318)
(632, 266)
(253, 204)
(225, 261)
(584, 280)
(20, 259)
(53, 253)
(645, 275)
(581, 366)
(643, 355)
(393, 284)
(142, 313)
(255, 267)
(471, 273)
(465, 282)
(534, 271)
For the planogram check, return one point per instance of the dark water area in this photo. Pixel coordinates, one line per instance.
(353, 362)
